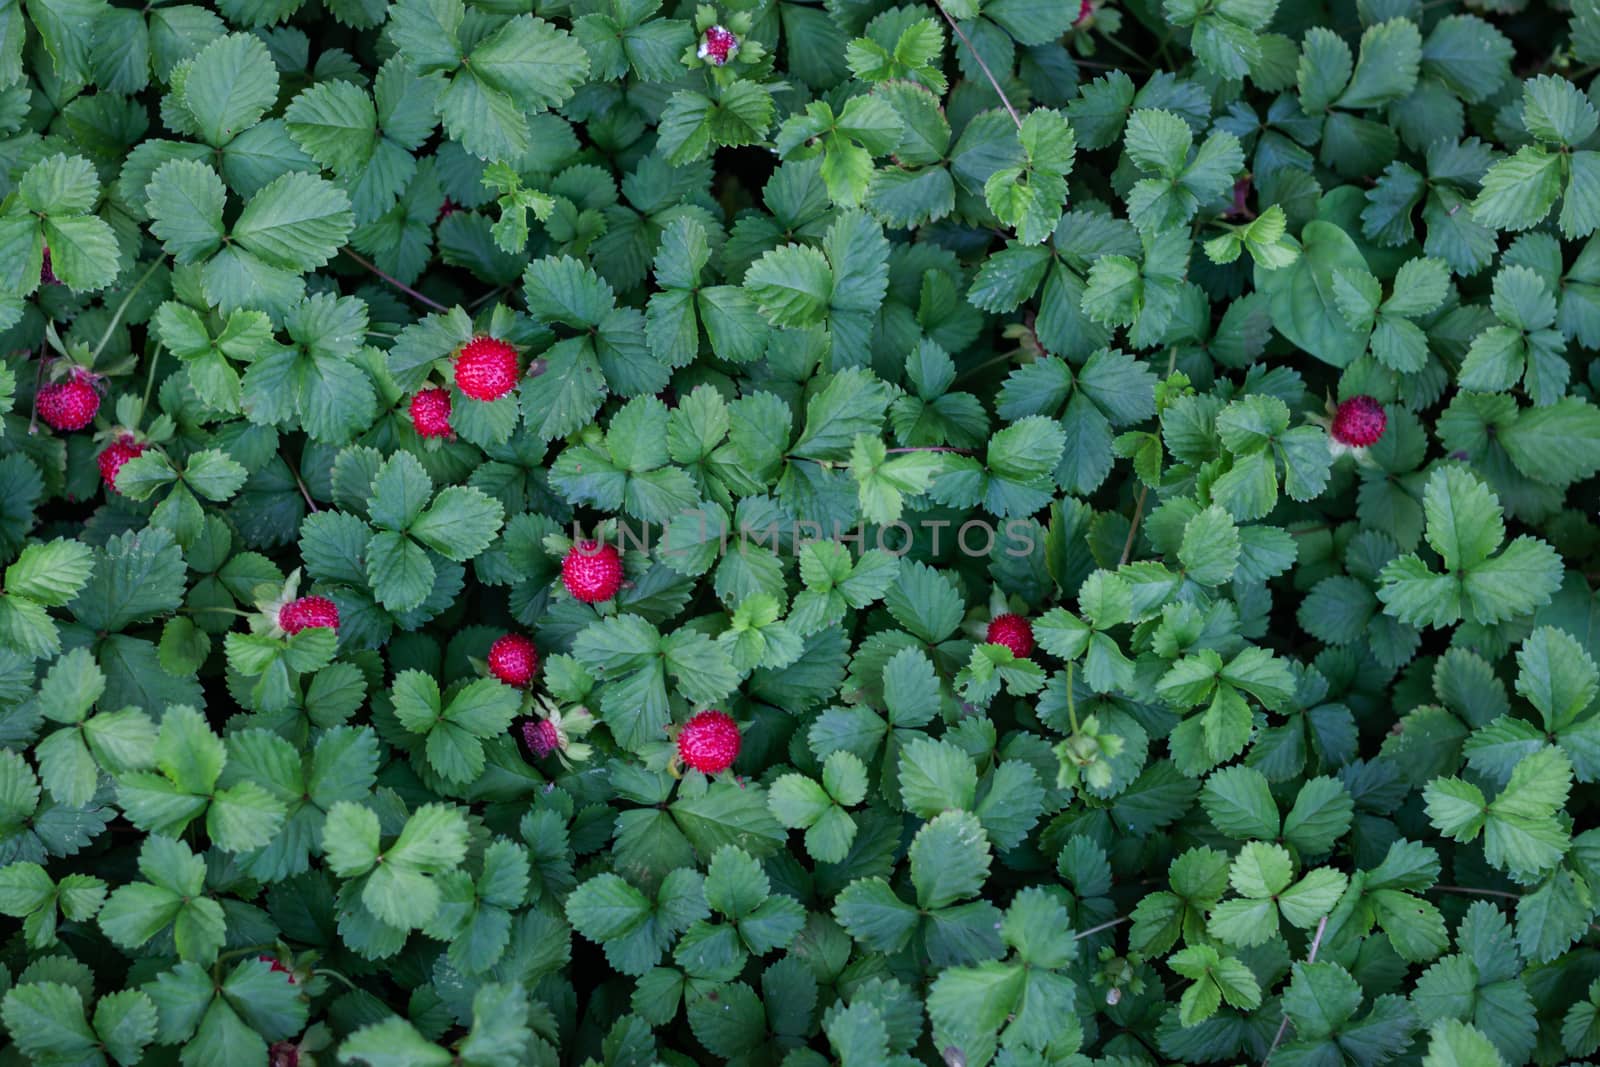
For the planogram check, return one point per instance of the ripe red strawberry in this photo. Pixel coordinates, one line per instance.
(117, 453)
(709, 741)
(430, 413)
(283, 1054)
(277, 965)
(486, 369)
(1359, 422)
(718, 45)
(308, 612)
(1012, 631)
(513, 660)
(542, 737)
(46, 275)
(69, 405)
(592, 571)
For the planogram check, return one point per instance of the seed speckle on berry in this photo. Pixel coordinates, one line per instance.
(709, 742)
(718, 45)
(1359, 422)
(486, 368)
(307, 613)
(542, 737)
(592, 571)
(514, 660)
(115, 456)
(1014, 632)
(430, 413)
(69, 405)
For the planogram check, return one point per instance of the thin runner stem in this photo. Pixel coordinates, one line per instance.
(1311, 957)
(396, 282)
(38, 380)
(1144, 490)
(1469, 891)
(983, 66)
(122, 308)
(150, 378)
(312, 504)
(1118, 921)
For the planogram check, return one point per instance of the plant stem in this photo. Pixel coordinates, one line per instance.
(1072, 703)
(312, 504)
(1316, 941)
(396, 282)
(150, 378)
(330, 972)
(1125, 50)
(233, 954)
(985, 365)
(1133, 527)
(983, 66)
(122, 307)
(1498, 894)
(1144, 490)
(1469, 891)
(490, 295)
(38, 379)
(1103, 926)
(1311, 957)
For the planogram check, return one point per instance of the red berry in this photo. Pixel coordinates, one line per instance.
(709, 741)
(1241, 197)
(513, 660)
(283, 1054)
(592, 571)
(430, 413)
(114, 455)
(1012, 631)
(541, 737)
(1085, 9)
(718, 45)
(486, 369)
(1359, 422)
(46, 275)
(277, 965)
(308, 612)
(446, 209)
(69, 405)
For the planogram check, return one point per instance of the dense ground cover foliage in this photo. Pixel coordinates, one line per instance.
(851, 532)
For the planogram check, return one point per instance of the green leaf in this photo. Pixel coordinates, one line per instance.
(186, 199)
(297, 222)
(50, 573)
(1453, 1043)
(1519, 191)
(935, 776)
(1240, 805)
(1387, 69)
(949, 859)
(791, 285)
(459, 524)
(393, 1042)
(229, 86)
(1210, 549)
(46, 1020)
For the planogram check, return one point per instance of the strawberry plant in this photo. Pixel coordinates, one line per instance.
(799, 533)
